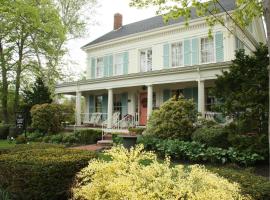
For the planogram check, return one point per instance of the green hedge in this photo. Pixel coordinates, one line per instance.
(197, 152)
(4, 131)
(41, 171)
(257, 187)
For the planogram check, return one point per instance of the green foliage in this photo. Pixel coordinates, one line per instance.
(137, 131)
(244, 91)
(256, 186)
(21, 139)
(4, 131)
(14, 131)
(174, 119)
(41, 171)
(48, 118)
(214, 136)
(34, 136)
(4, 195)
(197, 152)
(90, 136)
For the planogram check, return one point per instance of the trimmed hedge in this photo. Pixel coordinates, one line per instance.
(4, 131)
(257, 187)
(41, 171)
(197, 152)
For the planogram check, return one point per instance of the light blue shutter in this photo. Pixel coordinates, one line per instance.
(195, 51)
(91, 104)
(88, 70)
(105, 105)
(110, 65)
(124, 103)
(106, 66)
(125, 70)
(93, 68)
(195, 96)
(187, 56)
(219, 47)
(187, 92)
(166, 55)
(166, 95)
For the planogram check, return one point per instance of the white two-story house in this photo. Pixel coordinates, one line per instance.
(136, 67)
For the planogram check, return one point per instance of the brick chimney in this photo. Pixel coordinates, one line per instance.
(118, 18)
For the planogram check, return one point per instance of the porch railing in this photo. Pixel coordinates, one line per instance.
(95, 119)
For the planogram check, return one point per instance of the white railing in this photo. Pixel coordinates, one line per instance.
(126, 122)
(210, 115)
(94, 119)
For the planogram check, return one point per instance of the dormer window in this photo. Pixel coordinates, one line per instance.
(146, 60)
(100, 68)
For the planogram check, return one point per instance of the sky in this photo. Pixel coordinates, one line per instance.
(104, 17)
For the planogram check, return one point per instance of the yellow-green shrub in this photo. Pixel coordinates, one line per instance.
(138, 175)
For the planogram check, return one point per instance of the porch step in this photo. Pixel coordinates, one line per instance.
(107, 137)
(105, 143)
(109, 130)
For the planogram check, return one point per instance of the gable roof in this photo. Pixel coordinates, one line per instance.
(150, 24)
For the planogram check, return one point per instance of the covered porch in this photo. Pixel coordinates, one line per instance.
(132, 106)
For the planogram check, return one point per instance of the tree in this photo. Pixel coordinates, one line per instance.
(246, 11)
(244, 90)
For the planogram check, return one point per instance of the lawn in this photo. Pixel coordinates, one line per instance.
(5, 144)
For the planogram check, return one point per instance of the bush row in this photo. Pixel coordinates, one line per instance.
(40, 171)
(90, 136)
(197, 152)
(9, 130)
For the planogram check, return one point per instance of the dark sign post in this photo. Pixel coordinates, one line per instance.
(20, 122)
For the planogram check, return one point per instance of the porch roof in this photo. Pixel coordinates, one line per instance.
(172, 75)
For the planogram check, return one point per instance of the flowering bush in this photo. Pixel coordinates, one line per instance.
(138, 175)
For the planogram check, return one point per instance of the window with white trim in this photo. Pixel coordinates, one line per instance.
(177, 54)
(98, 103)
(119, 64)
(146, 60)
(100, 67)
(207, 50)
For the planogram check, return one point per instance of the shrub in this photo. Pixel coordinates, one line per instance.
(14, 131)
(125, 177)
(56, 139)
(41, 171)
(215, 136)
(34, 136)
(174, 119)
(48, 118)
(4, 195)
(256, 186)
(197, 152)
(89, 136)
(21, 139)
(70, 139)
(4, 131)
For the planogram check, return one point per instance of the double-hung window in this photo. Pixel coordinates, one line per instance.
(177, 54)
(100, 67)
(207, 50)
(98, 104)
(119, 64)
(146, 60)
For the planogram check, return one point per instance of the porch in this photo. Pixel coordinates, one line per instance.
(121, 108)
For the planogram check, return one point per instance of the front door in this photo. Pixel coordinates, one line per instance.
(143, 109)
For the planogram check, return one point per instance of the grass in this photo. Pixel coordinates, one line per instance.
(5, 144)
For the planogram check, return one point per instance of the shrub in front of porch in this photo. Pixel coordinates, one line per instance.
(175, 119)
(139, 175)
(48, 118)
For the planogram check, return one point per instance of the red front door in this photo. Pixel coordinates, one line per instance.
(143, 108)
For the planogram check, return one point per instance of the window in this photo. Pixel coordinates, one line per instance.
(98, 104)
(119, 64)
(177, 54)
(146, 60)
(238, 44)
(207, 50)
(100, 68)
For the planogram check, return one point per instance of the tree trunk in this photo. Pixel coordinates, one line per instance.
(4, 88)
(18, 76)
(266, 9)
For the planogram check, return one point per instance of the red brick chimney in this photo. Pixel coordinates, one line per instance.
(118, 18)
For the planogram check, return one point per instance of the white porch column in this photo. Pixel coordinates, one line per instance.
(149, 100)
(78, 108)
(110, 108)
(201, 97)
